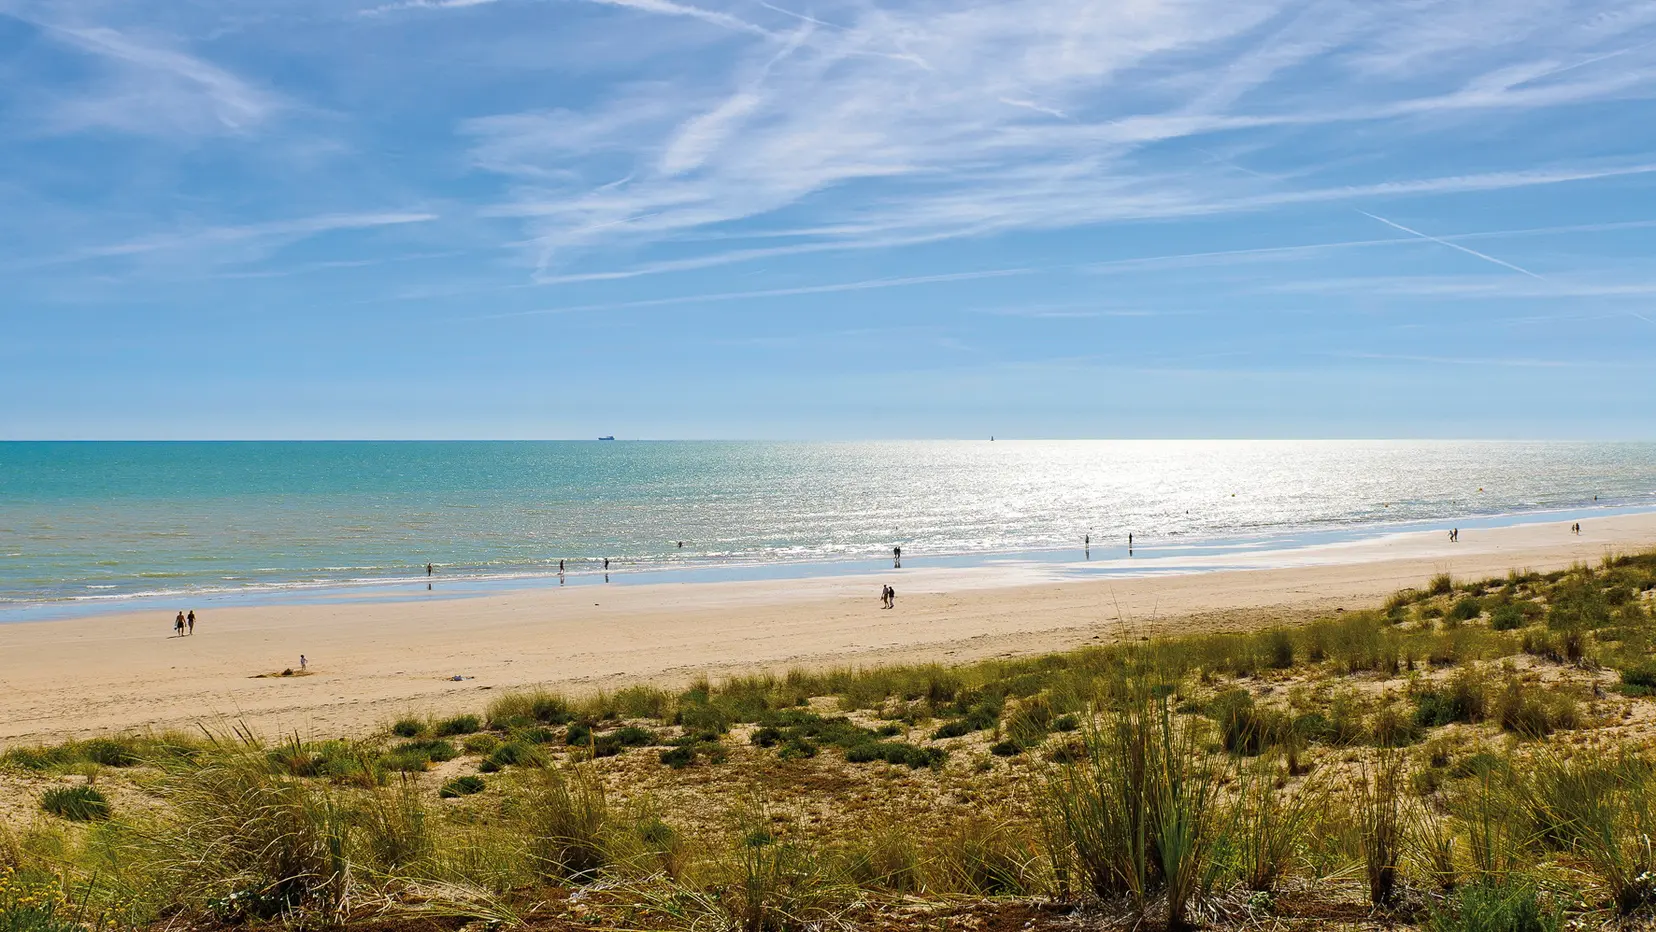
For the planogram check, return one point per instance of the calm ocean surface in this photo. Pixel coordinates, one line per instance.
(107, 523)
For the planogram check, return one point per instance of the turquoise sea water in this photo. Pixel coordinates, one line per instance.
(106, 523)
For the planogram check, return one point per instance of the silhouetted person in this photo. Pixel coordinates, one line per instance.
(1129, 543)
(189, 621)
(428, 569)
(891, 597)
(560, 567)
(606, 564)
(178, 625)
(897, 557)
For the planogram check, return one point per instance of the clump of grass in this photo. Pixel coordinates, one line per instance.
(1441, 584)
(984, 857)
(75, 803)
(518, 710)
(1602, 810)
(566, 821)
(1134, 813)
(1462, 698)
(1513, 905)
(1379, 814)
(244, 842)
(408, 727)
(1267, 824)
(1244, 727)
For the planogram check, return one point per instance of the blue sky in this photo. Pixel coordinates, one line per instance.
(827, 218)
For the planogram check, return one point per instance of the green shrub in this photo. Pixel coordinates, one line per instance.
(110, 752)
(513, 753)
(679, 757)
(634, 737)
(1507, 617)
(461, 786)
(1461, 699)
(1006, 749)
(896, 752)
(1465, 608)
(1441, 584)
(75, 803)
(408, 728)
(797, 749)
(480, 744)
(702, 716)
(459, 725)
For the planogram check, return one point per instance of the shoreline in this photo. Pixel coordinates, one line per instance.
(375, 660)
(1155, 555)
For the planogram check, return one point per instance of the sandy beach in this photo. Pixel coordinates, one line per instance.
(371, 661)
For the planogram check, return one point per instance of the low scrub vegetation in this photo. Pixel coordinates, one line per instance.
(1469, 756)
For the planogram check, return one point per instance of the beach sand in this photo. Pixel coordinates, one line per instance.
(372, 661)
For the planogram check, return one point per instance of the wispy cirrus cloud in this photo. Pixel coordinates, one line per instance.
(831, 288)
(147, 87)
(276, 231)
(917, 123)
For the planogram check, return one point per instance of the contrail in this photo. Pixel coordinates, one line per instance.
(1471, 252)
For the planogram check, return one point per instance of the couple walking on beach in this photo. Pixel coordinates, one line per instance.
(888, 597)
(183, 622)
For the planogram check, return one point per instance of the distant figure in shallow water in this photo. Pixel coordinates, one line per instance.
(428, 569)
(897, 557)
(1129, 543)
(606, 564)
(560, 567)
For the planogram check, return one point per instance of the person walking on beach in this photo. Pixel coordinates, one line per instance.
(189, 621)
(897, 558)
(891, 597)
(560, 567)
(302, 663)
(1129, 543)
(178, 625)
(428, 569)
(606, 564)
(885, 596)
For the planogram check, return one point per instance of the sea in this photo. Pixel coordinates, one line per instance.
(115, 525)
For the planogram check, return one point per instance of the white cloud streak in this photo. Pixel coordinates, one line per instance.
(914, 123)
(1443, 242)
(153, 89)
(867, 285)
(218, 236)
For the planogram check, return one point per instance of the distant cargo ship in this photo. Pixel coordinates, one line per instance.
(606, 438)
